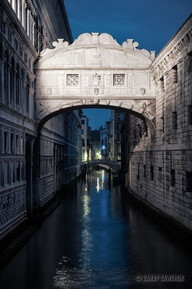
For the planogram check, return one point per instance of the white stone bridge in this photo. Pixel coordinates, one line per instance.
(95, 71)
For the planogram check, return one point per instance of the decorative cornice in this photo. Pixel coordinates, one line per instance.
(176, 49)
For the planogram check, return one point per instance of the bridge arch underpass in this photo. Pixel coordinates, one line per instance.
(114, 167)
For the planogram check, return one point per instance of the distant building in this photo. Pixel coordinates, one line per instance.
(95, 145)
(85, 138)
(116, 124)
(104, 140)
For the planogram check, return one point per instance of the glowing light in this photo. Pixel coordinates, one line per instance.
(102, 178)
(98, 185)
(98, 155)
(86, 208)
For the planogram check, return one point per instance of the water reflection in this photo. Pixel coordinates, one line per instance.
(96, 239)
(101, 263)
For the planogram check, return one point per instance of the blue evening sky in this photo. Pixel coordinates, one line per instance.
(152, 23)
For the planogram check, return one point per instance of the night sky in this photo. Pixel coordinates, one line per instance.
(152, 23)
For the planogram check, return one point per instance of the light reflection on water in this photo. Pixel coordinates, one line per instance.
(95, 241)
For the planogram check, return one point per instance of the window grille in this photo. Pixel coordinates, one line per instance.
(72, 79)
(118, 79)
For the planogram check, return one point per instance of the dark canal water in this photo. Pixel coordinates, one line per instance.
(97, 239)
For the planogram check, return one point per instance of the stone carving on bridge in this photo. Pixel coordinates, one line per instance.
(95, 70)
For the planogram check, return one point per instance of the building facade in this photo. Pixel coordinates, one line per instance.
(115, 141)
(27, 28)
(160, 163)
(85, 136)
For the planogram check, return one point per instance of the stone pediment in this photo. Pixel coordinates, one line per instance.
(95, 51)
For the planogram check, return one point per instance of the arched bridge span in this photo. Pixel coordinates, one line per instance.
(95, 71)
(105, 163)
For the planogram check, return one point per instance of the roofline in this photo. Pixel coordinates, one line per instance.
(170, 43)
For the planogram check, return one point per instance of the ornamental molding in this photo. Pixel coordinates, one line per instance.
(144, 107)
(95, 50)
(174, 51)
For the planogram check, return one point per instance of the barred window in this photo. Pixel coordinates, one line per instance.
(145, 171)
(175, 74)
(189, 181)
(162, 83)
(138, 171)
(173, 178)
(118, 79)
(190, 114)
(160, 174)
(72, 79)
(152, 173)
(174, 120)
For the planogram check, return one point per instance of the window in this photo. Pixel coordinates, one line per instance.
(160, 174)
(190, 114)
(173, 178)
(12, 82)
(174, 120)
(5, 142)
(27, 95)
(163, 124)
(82, 121)
(175, 74)
(152, 173)
(17, 145)
(118, 79)
(146, 130)
(17, 87)
(162, 83)
(6, 77)
(189, 181)
(145, 171)
(72, 79)
(18, 171)
(1, 174)
(138, 171)
(12, 143)
(13, 172)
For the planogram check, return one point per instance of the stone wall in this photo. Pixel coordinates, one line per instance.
(160, 168)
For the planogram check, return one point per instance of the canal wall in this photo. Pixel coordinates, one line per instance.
(160, 164)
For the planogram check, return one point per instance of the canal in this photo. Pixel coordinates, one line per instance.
(97, 239)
